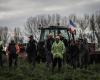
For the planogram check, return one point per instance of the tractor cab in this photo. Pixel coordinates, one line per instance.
(54, 30)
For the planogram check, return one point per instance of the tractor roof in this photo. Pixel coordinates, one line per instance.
(54, 28)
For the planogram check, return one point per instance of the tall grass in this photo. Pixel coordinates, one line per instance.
(25, 71)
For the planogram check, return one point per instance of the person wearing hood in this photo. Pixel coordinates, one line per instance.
(58, 49)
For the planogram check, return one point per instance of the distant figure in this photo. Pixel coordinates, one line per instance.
(31, 51)
(84, 53)
(12, 53)
(1, 52)
(58, 50)
(48, 46)
(74, 52)
(64, 40)
(41, 56)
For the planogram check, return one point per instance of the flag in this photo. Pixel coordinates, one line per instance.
(72, 23)
(72, 26)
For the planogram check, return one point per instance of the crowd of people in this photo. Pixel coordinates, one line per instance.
(54, 52)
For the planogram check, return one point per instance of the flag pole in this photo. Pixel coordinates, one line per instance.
(73, 37)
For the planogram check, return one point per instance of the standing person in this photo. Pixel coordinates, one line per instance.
(48, 45)
(41, 56)
(31, 50)
(84, 53)
(64, 40)
(74, 52)
(1, 51)
(12, 53)
(58, 50)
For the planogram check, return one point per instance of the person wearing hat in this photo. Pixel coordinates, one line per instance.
(31, 50)
(48, 45)
(58, 49)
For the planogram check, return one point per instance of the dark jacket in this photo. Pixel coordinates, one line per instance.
(31, 47)
(74, 50)
(49, 43)
(12, 48)
(1, 49)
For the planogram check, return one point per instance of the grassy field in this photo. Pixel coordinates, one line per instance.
(24, 71)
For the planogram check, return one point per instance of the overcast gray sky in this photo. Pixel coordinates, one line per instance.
(14, 13)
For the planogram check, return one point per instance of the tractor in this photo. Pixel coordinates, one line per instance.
(68, 35)
(54, 30)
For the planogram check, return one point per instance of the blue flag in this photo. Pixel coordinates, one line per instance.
(72, 24)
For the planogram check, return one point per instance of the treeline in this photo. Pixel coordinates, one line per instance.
(92, 22)
(6, 35)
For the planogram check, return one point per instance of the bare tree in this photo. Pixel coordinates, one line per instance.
(4, 34)
(92, 22)
(18, 35)
(32, 26)
(84, 23)
(97, 30)
(33, 23)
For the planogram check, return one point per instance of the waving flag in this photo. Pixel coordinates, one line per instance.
(71, 22)
(72, 26)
